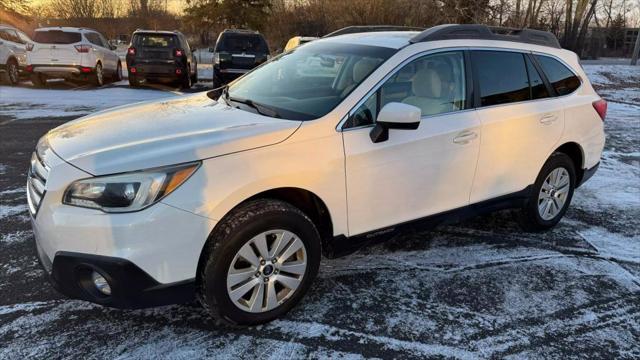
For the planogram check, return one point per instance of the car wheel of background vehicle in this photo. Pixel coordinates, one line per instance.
(551, 194)
(12, 75)
(186, 79)
(258, 263)
(98, 77)
(118, 74)
(194, 78)
(133, 81)
(217, 82)
(38, 80)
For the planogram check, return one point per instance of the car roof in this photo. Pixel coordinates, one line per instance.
(168, 32)
(389, 39)
(66, 28)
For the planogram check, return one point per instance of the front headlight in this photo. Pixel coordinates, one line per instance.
(127, 192)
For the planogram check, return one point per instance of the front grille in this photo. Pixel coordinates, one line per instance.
(36, 181)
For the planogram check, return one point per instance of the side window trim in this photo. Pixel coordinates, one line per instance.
(546, 81)
(472, 95)
(341, 125)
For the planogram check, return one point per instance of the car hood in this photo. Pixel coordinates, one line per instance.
(164, 132)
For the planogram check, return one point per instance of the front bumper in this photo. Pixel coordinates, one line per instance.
(131, 287)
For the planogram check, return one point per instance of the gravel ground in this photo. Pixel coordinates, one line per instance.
(478, 289)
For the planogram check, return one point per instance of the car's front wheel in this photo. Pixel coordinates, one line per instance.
(551, 194)
(259, 262)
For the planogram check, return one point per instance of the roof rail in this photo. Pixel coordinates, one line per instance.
(371, 28)
(484, 32)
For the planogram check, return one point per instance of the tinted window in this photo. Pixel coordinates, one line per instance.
(9, 35)
(538, 88)
(242, 42)
(57, 37)
(155, 40)
(560, 77)
(502, 77)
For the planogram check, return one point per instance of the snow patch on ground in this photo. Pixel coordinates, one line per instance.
(11, 210)
(26, 103)
(15, 237)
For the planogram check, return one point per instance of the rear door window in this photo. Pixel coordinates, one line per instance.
(502, 77)
(563, 80)
(57, 37)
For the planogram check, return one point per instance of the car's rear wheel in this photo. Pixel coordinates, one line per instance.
(12, 76)
(117, 76)
(38, 80)
(551, 194)
(185, 82)
(134, 81)
(259, 262)
(98, 76)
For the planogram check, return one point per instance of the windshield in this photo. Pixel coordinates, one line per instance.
(57, 37)
(309, 81)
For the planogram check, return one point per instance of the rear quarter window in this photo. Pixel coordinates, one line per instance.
(57, 37)
(563, 80)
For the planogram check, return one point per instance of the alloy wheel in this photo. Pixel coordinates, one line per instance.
(99, 75)
(266, 271)
(13, 73)
(553, 193)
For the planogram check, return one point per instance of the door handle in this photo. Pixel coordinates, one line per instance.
(548, 119)
(465, 137)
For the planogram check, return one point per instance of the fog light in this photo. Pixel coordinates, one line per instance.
(101, 283)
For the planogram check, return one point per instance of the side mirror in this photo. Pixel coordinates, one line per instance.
(113, 47)
(395, 115)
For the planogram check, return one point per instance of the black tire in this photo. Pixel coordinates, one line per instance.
(529, 215)
(98, 77)
(194, 77)
(12, 73)
(38, 80)
(134, 81)
(185, 82)
(234, 231)
(117, 76)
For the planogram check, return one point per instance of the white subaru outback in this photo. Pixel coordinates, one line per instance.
(78, 54)
(340, 141)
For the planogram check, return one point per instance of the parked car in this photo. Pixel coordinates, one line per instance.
(13, 53)
(236, 53)
(76, 54)
(296, 41)
(346, 140)
(161, 55)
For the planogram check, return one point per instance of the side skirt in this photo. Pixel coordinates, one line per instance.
(342, 245)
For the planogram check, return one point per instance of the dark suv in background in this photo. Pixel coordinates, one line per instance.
(237, 52)
(161, 55)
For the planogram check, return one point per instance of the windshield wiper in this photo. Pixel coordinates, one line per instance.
(260, 108)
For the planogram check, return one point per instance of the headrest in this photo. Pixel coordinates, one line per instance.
(362, 68)
(427, 83)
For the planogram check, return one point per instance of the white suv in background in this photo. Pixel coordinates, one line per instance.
(344, 140)
(76, 54)
(13, 53)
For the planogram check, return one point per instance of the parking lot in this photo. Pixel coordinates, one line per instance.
(478, 289)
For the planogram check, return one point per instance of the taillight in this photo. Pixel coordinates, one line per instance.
(131, 51)
(29, 46)
(178, 52)
(82, 48)
(86, 70)
(178, 71)
(601, 108)
(133, 70)
(29, 68)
